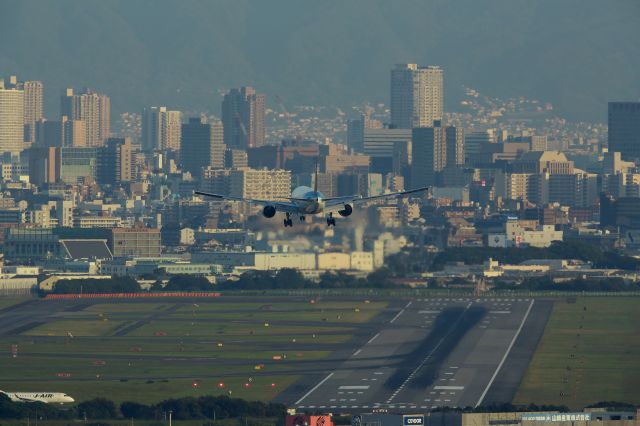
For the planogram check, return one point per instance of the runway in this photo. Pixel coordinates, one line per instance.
(434, 352)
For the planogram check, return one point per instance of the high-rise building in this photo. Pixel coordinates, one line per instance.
(429, 154)
(243, 118)
(624, 129)
(356, 129)
(33, 101)
(417, 95)
(455, 146)
(161, 129)
(92, 108)
(11, 119)
(202, 146)
(115, 162)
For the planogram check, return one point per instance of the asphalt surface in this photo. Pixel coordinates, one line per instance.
(435, 352)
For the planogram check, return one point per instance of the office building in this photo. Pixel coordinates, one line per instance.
(624, 129)
(243, 118)
(74, 133)
(383, 145)
(236, 159)
(429, 154)
(202, 146)
(115, 163)
(356, 129)
(135, 242)
(161, 129)
(417, 96)
(93, 109)
(455, 146)
(33, 101)
(11, 119)
(260, 184)
(475, 141)
(77, 164)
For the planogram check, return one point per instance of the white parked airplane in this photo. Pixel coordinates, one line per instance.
(305, 201)
(46, 397)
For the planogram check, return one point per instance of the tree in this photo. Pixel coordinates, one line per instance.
(188, 283)
(98, 408)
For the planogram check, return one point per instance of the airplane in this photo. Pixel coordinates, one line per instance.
(46, 397)
(306, 201)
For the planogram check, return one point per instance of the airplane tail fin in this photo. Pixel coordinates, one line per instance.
(315, 178)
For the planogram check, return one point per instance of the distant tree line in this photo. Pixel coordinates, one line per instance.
(558, 250)
(614, 284)
(292, 279)
(93, 285)
(205, 407)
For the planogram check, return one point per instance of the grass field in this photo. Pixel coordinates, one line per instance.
(5, 302)
(151, 351)
(590, 352)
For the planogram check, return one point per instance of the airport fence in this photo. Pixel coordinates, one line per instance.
(132, 295)
(362, 292)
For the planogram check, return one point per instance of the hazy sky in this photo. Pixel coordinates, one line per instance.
(577, 54)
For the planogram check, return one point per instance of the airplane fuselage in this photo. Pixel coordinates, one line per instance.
(308, 200)
(46, 397)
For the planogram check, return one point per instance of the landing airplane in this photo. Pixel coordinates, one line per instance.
(305, 201)
(46, 397)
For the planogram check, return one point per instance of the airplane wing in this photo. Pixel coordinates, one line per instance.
(282, 206)
(358, 199)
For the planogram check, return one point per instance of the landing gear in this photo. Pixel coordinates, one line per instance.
(331, 221)
(288, 221)
(303, 218)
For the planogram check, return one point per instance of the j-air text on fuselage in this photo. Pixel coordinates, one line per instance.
(309, 201)
(46, 397)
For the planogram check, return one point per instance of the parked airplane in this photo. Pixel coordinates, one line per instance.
(46, 397)
(305, 201)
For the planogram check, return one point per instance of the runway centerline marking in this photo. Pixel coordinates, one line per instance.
(413, 373)
(314, 388)
(396, 317)
(373, 338)
(349, 387)
(504, 357)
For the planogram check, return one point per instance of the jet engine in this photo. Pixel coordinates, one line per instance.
(346, 211)
(269, 211)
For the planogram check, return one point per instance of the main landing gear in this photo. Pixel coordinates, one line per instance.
(331, 221)
(288, 221)
(303, 218)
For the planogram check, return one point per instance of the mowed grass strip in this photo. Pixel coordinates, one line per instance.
(589, 352)
(6, 302)
(167, 327)
(261, 388)
(83, 327)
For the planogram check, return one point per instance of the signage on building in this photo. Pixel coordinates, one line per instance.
(556, 417)
(413, 420)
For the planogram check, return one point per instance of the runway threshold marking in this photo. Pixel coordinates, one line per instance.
(314, 388)
(396, 317)
(504, 357)
(413, 373)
